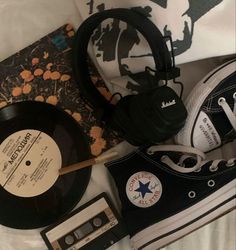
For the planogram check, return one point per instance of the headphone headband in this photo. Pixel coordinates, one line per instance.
(150, 32)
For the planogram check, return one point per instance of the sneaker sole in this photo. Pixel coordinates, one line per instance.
(188, 220)
(198, 96)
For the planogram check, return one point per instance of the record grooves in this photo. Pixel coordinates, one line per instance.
(35, 140)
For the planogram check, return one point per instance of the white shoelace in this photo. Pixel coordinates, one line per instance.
(189, 152)
(231, 114)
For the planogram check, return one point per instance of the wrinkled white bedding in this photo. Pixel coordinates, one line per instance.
(23, 22)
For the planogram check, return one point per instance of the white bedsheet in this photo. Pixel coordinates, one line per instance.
(24, 21)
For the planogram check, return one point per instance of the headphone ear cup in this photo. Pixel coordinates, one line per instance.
(121, 122)
(142, 120)
(161, 123)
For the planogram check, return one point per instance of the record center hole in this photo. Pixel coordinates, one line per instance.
(28, 163)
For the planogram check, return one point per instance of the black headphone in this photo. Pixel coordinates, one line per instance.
(165, 70)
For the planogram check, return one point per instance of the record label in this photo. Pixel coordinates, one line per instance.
(29, 163)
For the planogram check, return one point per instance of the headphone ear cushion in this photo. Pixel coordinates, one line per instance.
(139, 110)
(121, 122)
(139, 113)
(162, 123)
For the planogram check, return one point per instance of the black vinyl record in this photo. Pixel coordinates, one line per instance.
(36, 139)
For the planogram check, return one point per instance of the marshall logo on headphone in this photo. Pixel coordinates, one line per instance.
(167, 104)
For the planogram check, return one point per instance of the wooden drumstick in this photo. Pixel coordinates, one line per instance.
(87, 163)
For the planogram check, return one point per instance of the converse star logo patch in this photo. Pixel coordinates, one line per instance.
(143, 189)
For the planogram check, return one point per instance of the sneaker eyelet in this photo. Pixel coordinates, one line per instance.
(211, 183)
(192, 194)
(213, 168)
(220, 100)
(234, 95)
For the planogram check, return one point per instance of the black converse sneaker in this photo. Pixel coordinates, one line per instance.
(166, 194)
(211, 110)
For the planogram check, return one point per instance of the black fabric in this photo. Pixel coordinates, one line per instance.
(175, 187)
(120, 121)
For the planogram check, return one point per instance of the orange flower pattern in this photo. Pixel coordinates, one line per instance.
(43, 72)
(38, 72)
(35, 60)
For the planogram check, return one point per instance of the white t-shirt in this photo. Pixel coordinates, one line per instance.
(199, 29)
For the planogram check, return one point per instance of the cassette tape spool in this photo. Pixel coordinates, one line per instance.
(95, 225)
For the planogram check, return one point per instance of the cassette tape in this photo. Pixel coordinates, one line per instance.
(95, 225)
